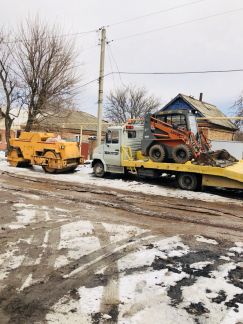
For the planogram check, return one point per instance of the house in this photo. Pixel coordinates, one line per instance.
(214, 129)
(75, 126)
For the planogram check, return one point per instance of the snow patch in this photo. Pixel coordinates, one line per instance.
(233, 317)
(238, 248)
(200, 265)
(8, 261)
(203, 239)
(26, 216)
(172, 247)
(119, 232)
(14, 226)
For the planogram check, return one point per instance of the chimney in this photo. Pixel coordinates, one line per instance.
(200, 96)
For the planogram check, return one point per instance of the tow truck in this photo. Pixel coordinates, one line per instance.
(121, 152)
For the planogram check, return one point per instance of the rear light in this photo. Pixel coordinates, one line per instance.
(129, 127)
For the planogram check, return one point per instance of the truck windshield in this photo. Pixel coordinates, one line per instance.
(193, 124)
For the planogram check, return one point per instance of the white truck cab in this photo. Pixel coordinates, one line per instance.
(108, 156)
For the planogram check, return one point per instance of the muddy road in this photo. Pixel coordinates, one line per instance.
(85, 254)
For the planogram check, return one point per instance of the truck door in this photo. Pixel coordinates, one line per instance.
(112, 148)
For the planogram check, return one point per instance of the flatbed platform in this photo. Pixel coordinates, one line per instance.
(226, 177)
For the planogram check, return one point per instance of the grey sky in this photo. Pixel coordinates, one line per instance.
(215, 43)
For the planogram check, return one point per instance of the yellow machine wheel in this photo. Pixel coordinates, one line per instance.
(12, 157)
(47, 168)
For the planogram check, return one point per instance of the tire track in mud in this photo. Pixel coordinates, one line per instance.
(192, 208)
(167, 215)
(34, 302)
(48, 255)
(18, 276)
(110, 297)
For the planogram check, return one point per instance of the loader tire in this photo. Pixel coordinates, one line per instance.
(181, 154)
(188, 181)
(99, 169)
(157, 153)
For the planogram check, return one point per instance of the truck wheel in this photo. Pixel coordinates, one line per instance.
(181, 154)
(99, 169)
(188, 181)
(157, 153)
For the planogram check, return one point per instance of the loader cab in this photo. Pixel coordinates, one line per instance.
(180, 119)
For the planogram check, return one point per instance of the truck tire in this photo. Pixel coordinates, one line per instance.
(181, 154)
(188, 181)
(157, 153)
(99, 169)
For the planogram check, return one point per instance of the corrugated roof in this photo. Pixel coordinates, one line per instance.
(74, 120)
(208, 110)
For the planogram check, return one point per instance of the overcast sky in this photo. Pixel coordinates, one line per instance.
(209, 44)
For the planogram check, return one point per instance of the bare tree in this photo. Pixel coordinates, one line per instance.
(238, 110)
(46, 63)
(9, 86)
(129, 102)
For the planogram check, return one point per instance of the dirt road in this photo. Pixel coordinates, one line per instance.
(82, 254)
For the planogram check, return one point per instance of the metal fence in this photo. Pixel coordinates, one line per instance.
(233, 147)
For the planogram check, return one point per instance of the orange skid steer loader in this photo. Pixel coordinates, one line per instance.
(173, 136)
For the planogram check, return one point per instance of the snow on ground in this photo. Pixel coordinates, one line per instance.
(203, 239)
(83, 175)
(10, 260)
(238, 248)
(155, 286)
(82, 234)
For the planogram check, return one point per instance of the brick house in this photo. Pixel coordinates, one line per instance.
(214, 129)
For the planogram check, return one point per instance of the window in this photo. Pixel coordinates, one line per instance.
(112, 137)
(174, 119)
(131, 134)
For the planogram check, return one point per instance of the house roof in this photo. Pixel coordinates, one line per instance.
(207, 110)
(74, 120)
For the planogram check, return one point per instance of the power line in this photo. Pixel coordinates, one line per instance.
(179, 24)
(89, 82)
(164, 73)
(109, 47)
(181, 72)
(155, 13)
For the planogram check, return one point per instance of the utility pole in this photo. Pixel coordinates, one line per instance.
(101, 84)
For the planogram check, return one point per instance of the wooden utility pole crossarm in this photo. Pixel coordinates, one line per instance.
(101, 84)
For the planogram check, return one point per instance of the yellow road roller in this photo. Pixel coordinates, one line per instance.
(54, 154)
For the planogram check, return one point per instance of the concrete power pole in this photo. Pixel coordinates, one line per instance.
(101, 84)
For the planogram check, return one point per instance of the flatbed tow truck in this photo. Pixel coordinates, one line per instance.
(121, 153)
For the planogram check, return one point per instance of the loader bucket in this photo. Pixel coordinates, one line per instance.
(219, 158)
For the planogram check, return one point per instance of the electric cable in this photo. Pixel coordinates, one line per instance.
(155, 13)
(178, 24)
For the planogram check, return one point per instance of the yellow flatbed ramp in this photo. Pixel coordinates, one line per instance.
(227, 177)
